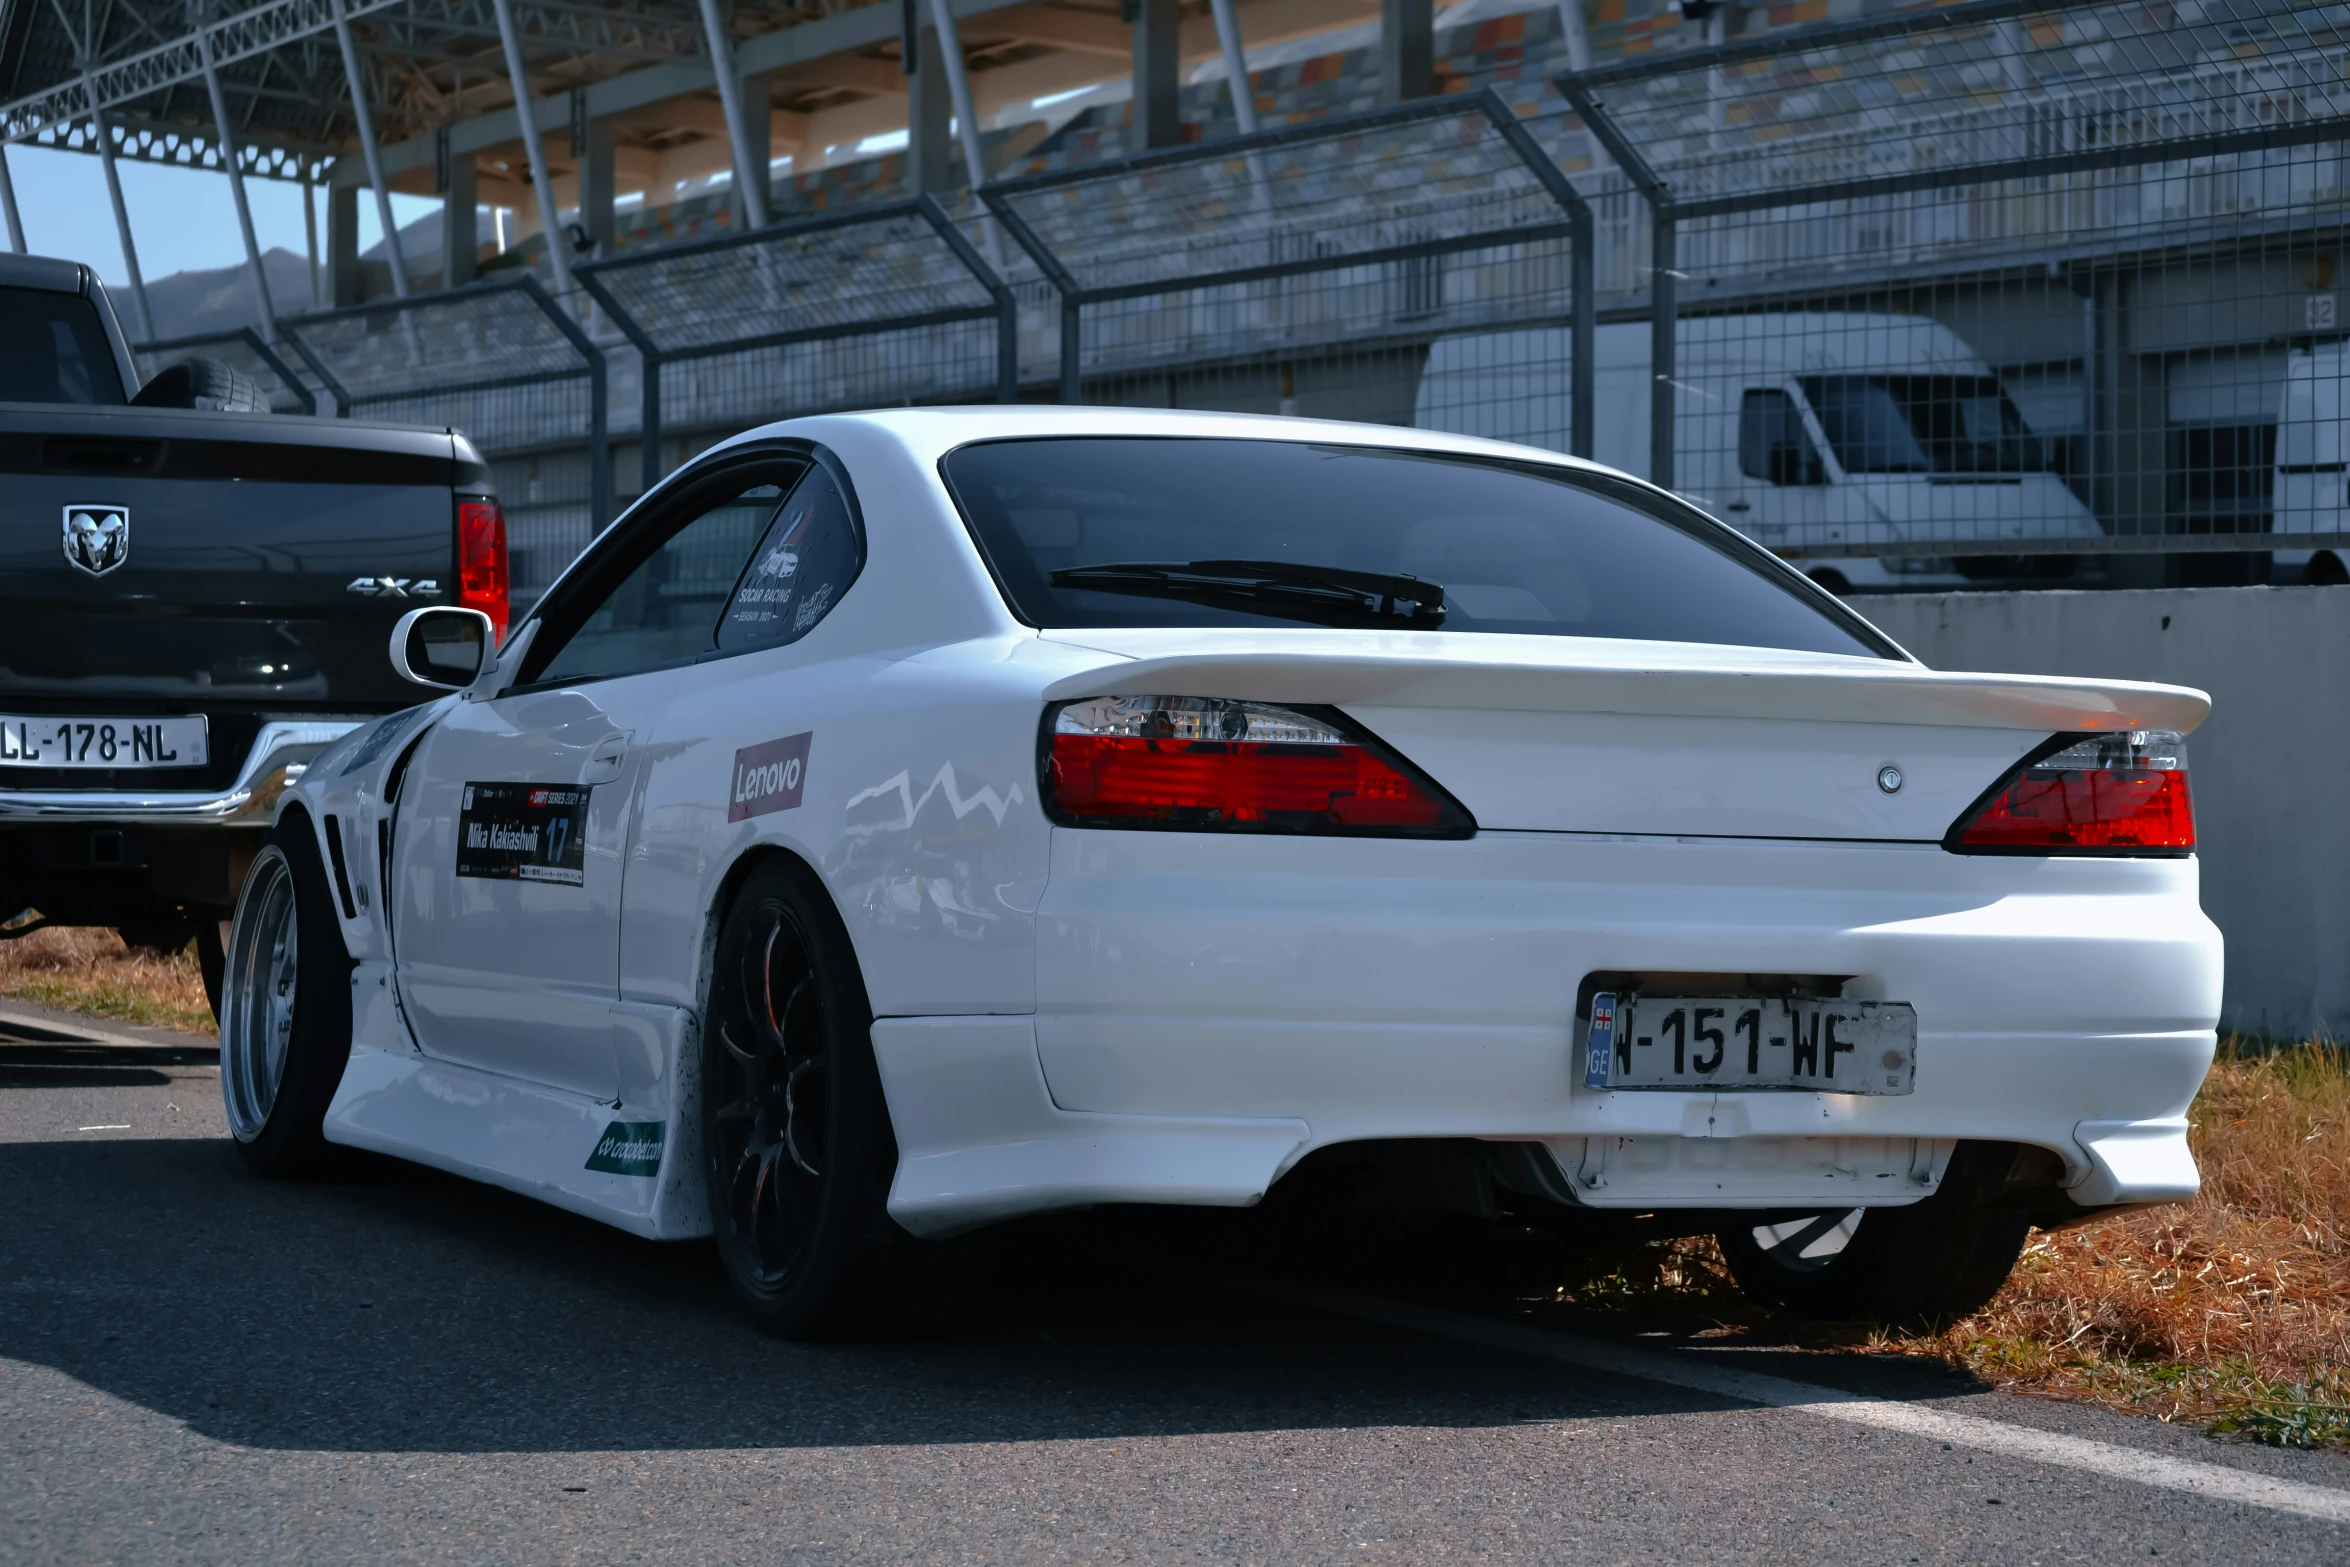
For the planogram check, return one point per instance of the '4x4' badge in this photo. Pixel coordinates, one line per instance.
(97, 538)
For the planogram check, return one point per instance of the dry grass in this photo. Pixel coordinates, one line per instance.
(90, 971)
(2233, 1309)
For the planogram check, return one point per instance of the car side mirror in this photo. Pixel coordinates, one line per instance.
(441, 646)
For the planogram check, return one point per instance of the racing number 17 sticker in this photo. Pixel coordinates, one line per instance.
(524, 832)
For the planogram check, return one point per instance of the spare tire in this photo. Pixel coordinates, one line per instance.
(202, 383)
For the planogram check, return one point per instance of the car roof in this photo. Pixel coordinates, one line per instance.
(933, 432)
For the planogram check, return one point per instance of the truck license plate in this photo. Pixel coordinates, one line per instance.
(102, 742)
(1748, 1042)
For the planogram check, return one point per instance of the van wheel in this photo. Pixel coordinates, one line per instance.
(285, 1026)
(1920, 1266)
(1833, 580)
(2325, 570)
(798, 1150)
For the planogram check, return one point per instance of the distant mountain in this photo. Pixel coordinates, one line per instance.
(218, 299)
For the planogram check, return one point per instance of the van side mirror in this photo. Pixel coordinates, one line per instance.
(441, 646)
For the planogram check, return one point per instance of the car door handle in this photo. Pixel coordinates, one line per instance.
(603, 763)
(1740, 506)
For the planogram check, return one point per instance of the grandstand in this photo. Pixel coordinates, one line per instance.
(2130, 210)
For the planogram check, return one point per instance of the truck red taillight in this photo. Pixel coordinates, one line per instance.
(2123, 793)
(481, 562)
(1200, 764)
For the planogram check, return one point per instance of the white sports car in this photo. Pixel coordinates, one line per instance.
(902, 821)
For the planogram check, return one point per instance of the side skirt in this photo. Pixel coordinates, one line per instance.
(633, 1164)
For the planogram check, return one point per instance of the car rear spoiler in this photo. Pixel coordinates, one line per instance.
(1575, 680)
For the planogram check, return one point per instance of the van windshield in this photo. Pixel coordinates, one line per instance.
(1118, 531)
(1922, 424)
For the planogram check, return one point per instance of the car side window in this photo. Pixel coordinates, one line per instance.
(806, 561)
(664, 607)
(1772, 443)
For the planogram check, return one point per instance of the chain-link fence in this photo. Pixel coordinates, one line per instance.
(893, 304)
(2002, 291)
(1306, 270)
(509, 367)
(1996, 291)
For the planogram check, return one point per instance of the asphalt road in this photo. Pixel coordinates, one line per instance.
(199, 1366)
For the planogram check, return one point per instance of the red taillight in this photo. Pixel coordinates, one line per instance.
(2118, 794)
(1204, 765)
(481, 562)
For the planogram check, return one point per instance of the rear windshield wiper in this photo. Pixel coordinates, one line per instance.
(1325, 594)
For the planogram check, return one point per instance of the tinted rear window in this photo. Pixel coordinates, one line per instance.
(1513, 549)
(57, 351)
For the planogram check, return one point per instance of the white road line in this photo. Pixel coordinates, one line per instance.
(119, 1126)
(2110, 1459)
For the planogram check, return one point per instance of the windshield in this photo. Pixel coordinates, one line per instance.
(1513, 549)
(57, 350)
(1922, 424)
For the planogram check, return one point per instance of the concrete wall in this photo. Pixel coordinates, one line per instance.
(2270, 768)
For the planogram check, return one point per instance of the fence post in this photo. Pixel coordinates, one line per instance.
(1007, 307)
(599, 414)
(334, 388)
(649, 393)
(1583, 294)
(279, 368)
(1664, 296)
(1072, 310)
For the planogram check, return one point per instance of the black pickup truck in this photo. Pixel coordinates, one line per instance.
(195, 599)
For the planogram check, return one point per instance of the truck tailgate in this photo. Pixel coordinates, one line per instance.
(228, 588)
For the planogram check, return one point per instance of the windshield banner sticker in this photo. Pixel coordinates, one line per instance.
(768, 777)
(524, 832)
(628, 1148)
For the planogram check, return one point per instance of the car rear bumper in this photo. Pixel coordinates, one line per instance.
(1306, 992)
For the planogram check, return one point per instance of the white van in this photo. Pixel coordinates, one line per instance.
(2312, 446)
(1801, 429)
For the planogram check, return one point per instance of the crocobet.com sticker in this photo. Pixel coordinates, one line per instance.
(524, 832)
(768, 777)
(628, 1148)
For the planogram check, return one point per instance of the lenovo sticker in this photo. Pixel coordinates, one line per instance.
(768, 777)
(523, 832)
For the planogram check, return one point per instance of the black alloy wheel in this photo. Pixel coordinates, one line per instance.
(797, 1149)
(1926, 1264)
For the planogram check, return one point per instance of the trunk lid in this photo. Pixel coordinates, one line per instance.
(1564, 734)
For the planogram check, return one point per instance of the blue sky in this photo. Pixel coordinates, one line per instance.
(180, 218)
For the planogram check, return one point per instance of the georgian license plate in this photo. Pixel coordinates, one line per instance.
(1748, 1042)
(103, 742)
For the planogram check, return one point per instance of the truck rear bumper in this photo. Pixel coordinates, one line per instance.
(279, 753)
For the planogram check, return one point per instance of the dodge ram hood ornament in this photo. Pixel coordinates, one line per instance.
(97, 538)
